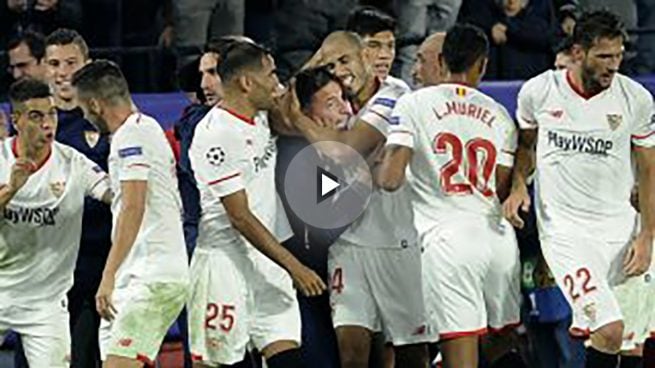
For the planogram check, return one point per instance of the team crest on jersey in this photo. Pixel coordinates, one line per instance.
(92, 137)
(589, 311)
(215, 156)
(460, 91)
(57, 188)
(614, 120)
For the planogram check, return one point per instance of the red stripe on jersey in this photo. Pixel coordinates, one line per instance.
(145, 359)
(196, 357)
(635, 136)
(223, 179)
(454, 335)
(506, 328)
(579, 333)
(243, 118)
(582, 93)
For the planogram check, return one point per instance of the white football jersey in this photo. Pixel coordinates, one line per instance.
(458, 136)
(387, 221)
(140, 152)
(230, 153)
(584, 173)
(41, 226)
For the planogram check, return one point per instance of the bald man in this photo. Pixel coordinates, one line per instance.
(428, 69)
(375, 265)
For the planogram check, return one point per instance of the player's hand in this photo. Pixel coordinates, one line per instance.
(307, 281)
(638, 259)
(104, 304)
(20, 172)
(45, 5)
(498, 33)
(519, 198)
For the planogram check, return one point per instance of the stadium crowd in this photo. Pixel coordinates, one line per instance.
(518, 239)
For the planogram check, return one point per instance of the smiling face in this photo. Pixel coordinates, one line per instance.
(62, 61)
(329, 105)
(382, 50)
(348, 63)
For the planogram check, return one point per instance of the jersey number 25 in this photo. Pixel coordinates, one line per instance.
(478, 172)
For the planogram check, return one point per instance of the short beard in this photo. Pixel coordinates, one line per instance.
(590, 84)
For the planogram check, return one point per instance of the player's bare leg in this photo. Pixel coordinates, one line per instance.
(605, 345)
(389, 356)
(461, 352)
(411, 356)
(114, 361)
(282, 354)
(354, 346)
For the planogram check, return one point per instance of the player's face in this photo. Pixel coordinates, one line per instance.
(36, 121)
(23, 64)
(329, 106)
(382, 50)
(265, 85)
(93, 113)
(427, 70)
(210, 81)
(348, 64)
(62, 61)
(601, 62)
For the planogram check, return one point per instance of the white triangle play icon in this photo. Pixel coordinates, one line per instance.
(327, 184)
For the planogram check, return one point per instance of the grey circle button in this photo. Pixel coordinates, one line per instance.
(328, 185)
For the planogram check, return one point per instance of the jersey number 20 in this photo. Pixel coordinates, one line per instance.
(466, 155)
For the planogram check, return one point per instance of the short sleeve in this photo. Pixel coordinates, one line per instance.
(378, 113)
(217, 161)
(402, 129)
(132, 154)
(643, 130)
(526, 107)
(95, 179)
(508, 135)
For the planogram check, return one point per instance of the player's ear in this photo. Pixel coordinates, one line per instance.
(577, 52)
(95, 106)
(245, 83)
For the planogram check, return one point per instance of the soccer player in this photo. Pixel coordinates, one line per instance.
(241, 289)
(585, 122)
(145, 280)
(26, 53)
(459, 146)
(44, 184)
(65, 53)
(376, 264)
(428, 69)
(377, 30)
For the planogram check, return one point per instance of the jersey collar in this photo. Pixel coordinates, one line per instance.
(579, 91)
(245, 119)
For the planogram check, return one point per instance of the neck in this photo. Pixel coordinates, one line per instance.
(588, 87)
(370, 87)
(65, 104)
(36, 154)
(117, 115)
(239, 104)
(462, 78)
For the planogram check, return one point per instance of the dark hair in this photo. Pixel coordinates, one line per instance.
(35, 43)
(597, 24)
(369, 20)
(65, 36)
(28, 88)
(222, 44)
(102, 79)
(464, 45)
(239, 57)
(310, 81)
(564, 46)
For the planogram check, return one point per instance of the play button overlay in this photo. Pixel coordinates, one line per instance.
(328, 185)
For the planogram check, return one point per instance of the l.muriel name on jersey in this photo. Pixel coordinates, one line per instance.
(466, 109)
(580, 143)
(40, 216)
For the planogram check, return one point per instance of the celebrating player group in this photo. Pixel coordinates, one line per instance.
(432, 261)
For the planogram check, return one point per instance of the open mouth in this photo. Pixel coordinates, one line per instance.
(347, 80)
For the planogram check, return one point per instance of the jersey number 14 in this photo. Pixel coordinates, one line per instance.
(478, 172)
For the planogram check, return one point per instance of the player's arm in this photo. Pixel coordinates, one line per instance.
(391, 174)
(242, 219)
(399, 148)
(503, 182)
(20, 172)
